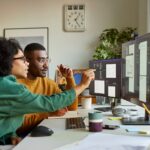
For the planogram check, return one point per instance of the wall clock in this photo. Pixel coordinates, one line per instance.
(74, 17)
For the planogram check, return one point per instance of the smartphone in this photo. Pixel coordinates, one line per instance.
(110, 127)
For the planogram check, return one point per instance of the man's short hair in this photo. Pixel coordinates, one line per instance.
(33, 46)
(8, 48)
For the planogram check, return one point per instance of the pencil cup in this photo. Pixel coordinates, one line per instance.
(95, 122)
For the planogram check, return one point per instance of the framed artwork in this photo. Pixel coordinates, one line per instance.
(29, 35)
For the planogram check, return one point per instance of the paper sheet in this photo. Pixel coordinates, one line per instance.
(131, 84)
(142, 88)
(143, 58)
(131, 49)
(130, 66)
(110, 70)
(99, 86)
(111, 91)
(102, 141)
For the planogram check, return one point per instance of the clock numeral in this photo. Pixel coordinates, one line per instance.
(70, 7)
(81, 7)
(75, 7)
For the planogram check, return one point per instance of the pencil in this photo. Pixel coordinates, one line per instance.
(145, 107)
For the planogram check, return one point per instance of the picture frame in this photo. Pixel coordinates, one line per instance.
(29, 35)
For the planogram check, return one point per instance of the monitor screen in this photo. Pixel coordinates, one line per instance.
(136, 71)
(107, 81)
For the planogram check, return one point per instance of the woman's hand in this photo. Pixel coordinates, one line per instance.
(15, 140)
(87, 77)
(60, 112)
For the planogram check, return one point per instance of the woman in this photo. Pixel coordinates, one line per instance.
(16, 100)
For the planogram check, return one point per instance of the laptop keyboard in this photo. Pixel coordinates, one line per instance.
(74, 123)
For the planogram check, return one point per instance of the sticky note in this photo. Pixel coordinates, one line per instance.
(115, 118)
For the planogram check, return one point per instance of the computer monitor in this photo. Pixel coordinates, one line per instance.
(107, 83)
(136, 74)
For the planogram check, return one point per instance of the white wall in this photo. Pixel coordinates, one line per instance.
(143, 16)
(148, 15)
(69, 48)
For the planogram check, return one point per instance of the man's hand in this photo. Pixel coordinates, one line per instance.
(65, 71)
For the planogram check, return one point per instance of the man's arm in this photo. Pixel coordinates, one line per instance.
(67, 73)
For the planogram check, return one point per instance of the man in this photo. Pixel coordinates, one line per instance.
(16, 101)
(36, 81)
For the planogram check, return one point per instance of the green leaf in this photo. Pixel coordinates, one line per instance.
(110, 42)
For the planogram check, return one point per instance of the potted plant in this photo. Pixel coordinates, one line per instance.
(110, 42)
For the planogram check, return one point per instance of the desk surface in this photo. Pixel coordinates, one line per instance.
(63, 137)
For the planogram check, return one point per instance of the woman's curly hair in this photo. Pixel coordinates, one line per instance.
(8, 48)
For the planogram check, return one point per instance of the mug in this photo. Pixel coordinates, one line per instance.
(95, 122)
(86, 103)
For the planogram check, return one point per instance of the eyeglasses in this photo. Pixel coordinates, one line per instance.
(44, 60)
(21, 58)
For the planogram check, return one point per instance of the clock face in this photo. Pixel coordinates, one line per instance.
(74, 18)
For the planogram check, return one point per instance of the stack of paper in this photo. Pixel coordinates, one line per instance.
(102, 141)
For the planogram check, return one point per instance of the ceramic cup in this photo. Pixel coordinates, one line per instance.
(95, 122)
(86, 103)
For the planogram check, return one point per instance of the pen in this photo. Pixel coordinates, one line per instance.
(144, 132)
(136, 130)
(145, 107)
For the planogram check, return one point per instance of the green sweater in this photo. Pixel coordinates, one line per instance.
(16, 100)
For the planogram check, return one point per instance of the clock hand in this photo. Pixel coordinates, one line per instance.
(77, 17)
(77, 21)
